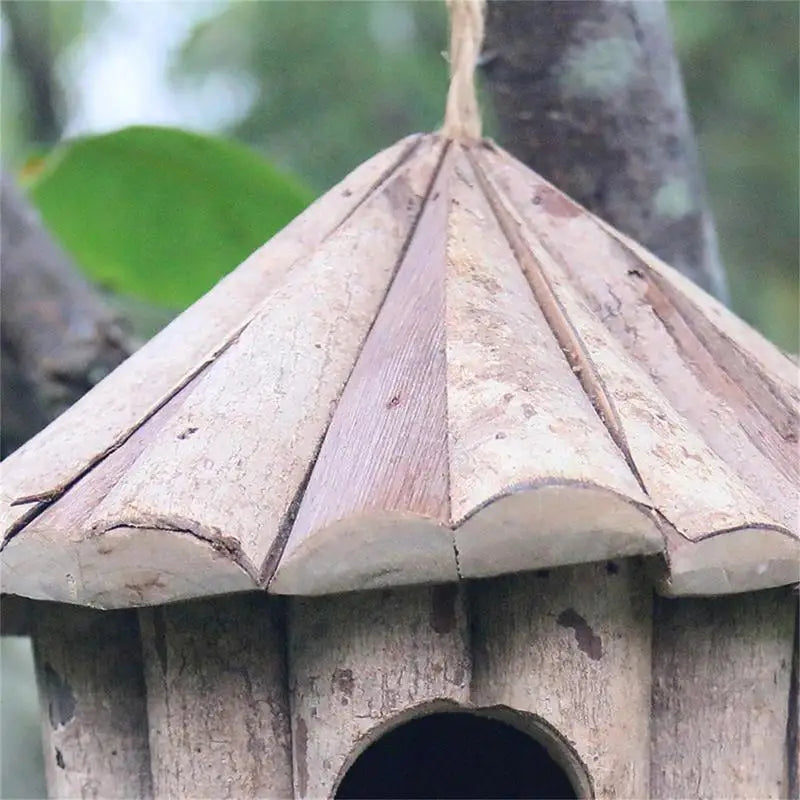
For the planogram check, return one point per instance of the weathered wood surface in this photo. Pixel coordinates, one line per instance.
(217, 699)
(139, 386)
(87, 571)
(721, 686)
(257, 414)
(360, 662)
(514, 403)
(376, 508)
(620, 283)
(573, 646)
(683, 417)
(93, 704)
(464, 379)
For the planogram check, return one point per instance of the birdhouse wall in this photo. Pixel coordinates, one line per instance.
(723, 683)
(217, 700)
(93, 703)
(251, 695)
(360, 661)
(573, 647)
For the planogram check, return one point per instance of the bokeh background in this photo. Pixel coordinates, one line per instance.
(317, 87)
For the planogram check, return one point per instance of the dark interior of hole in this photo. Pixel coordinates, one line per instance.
(455, 755)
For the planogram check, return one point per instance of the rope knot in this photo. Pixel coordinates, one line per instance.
(462, 118)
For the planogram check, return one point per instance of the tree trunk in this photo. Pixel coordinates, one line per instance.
(30, 46)
(589, 94)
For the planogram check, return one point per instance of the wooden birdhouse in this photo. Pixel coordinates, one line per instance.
(449, 490)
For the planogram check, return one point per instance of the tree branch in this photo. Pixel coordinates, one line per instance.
(58, 337)
(589, 94)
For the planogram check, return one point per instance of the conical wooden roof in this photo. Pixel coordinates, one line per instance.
(443, 369)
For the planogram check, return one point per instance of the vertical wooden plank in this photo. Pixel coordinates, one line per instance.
(92, 693)
(573, 646)
(217, 704)
(721, 683)
(362, 661)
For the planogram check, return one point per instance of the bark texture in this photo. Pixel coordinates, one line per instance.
(217, 705)
(93, 703)
(58, 336)
(589, 94)
(722, 696)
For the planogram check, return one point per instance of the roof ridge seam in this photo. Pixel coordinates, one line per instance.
(451, 523)
(45, 499)
(270, 563)
(568, 339)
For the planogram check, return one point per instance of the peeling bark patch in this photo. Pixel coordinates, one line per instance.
(343, 681)
(60, 699)
(587, 641)
(60, 759)
(160, 639)
(301, 756)
(443, 607)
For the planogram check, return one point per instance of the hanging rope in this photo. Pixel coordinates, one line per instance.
(462, 118)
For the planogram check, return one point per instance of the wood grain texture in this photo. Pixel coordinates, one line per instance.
(671, 456)
(436, 381)
(61, 556)
(262, 410)
(572, 646)
(630, 299)
(363, 662)
(217, 699)
(104, 417)
(256, 416)
(535, 478)
(721, 673)
(93, 704)
(376, 508)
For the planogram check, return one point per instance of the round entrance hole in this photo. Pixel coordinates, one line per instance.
(455, 755)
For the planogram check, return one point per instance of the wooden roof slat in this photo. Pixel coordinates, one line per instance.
(620, 285)
(445, 369)
(527, 447)
(257, 418)
(115, 407)
(238, 452)
(615, 285)
(125, 565)
(376, 507)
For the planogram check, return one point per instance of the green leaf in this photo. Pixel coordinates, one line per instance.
(162, 214)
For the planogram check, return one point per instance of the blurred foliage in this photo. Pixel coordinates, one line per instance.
(161, 214)
(336, 82)
(36, 37)
(331, 83)
(740, 66)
